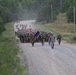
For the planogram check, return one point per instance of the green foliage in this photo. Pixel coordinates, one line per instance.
(8, 10)
(1, 28)
(9, 61)
(70, 14)
(68, 8)
(1, 25)
(44, 13)
(74, 38)
(7, 56)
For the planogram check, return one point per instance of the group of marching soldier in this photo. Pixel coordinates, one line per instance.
(50, 37)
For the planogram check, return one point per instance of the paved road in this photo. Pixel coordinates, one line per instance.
(42, 60)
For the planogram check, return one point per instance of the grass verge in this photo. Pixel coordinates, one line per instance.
(9, 60)
(66, 30)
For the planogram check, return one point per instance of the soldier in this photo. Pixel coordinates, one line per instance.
(52, 40)
(59, 38)
(37, 34)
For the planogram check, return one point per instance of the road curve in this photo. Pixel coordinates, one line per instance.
(42, 60)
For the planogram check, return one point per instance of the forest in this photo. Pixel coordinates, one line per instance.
(15, 10)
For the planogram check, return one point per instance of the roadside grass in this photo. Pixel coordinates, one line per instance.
(60, 26)
(9, 60)
(7, 57)
(41, 26)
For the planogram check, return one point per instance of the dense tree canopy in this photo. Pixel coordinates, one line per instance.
(69, 9)
(13, 10)
(58, 6)
(45, 10)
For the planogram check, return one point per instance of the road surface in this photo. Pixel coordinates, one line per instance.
(42, 60)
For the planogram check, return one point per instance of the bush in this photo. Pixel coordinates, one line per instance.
(1, 27)
(74, 38)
